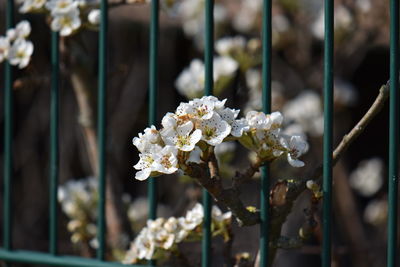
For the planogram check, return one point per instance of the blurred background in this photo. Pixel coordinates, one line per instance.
(361, 67)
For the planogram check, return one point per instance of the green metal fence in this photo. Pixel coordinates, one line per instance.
(54, 259)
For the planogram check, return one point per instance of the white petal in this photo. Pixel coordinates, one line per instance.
(239, 126)
(294, 162)
(185, 128)
(143, 174)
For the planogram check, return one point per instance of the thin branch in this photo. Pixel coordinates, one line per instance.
(295, 188)
(229, 196)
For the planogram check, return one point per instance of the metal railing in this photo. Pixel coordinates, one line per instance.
(54, 259)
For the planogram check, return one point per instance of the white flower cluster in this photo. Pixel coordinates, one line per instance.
(14, 47)
(190, 82)
(66, 15)
(164, 234)
(207, 122)
(78, 199)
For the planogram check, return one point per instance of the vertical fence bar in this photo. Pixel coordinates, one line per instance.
(328, 133)
(8, 133)
(153, 87)
(393, 134)
(266, 105)
(208, 90)
(101, 130)
(54, 141)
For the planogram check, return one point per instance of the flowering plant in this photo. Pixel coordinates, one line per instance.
(14, 47)
(191, 133)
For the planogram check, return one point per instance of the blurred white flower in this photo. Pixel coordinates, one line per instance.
(20, 53)
(193, 218)
(306, 110)
(61, 7)
(23, 29)
(94, 16)
(145, 245)
(280, 23)
(66, 23)
(225, 46)
(190, 82)
(217, 214)
(31, 5)
(246, 18)
(342, 20)
(367, 178)
(364, 5)
(192, 15)
(4, 48)
(376, 212)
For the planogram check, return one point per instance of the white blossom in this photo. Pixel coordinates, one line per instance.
(193, 218)
(146, 140)
(146, 163)
(23, 29)
(31, 5)
(217, 214)
(225, 46)
(145, 244)
(214, 130)
(20, 53)
(61, 7)
(94, 16)
(66, 23)
(296, 147)
(166, 161)
(182, 137)
(239, 127)
(194, 155)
